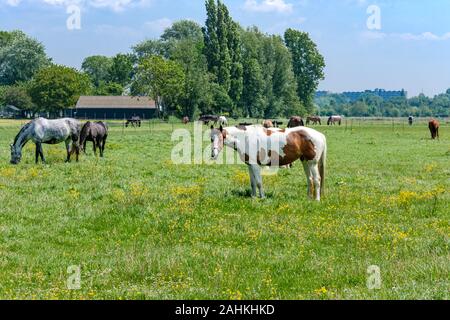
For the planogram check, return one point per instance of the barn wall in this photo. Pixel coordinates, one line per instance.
(112, 114)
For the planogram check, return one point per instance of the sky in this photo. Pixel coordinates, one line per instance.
(367, 44)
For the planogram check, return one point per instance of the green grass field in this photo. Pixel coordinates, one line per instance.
(141, 227)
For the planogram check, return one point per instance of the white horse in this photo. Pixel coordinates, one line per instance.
(223, 121)
(258, 146)
(49, 132)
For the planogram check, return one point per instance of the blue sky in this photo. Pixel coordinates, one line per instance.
(410, 51)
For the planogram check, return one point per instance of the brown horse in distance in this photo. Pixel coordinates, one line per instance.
(314, 120)
(268, 124)
(296, 122)
(134, 121)
(97, 133)
(434, 128)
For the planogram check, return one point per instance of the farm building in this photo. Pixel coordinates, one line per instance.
(11, 112)
(121, 107)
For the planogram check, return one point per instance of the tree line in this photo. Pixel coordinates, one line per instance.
(218, 68)
(372, 105)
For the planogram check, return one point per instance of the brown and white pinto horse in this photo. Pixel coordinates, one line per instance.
(258, 146)
(434, 128)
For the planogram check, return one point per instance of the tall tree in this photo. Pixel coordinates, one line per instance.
(98, 68)
(269, 82)
(20, 57)
(224, 68)
(148, 48)
(182, 30)
(121, 70)
(18, 97)
(308, 65)
(212, 47)
(196, 92)
(163, 80)
(237, 69)
(285, 99)
(56, 88)
(5, 38)
(223, 50)
(108, 89)
(253, 95)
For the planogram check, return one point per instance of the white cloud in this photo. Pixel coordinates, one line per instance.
(158, 26)
(268, 6)
(13, 3)
(425, 36)
(373, 35)
(115, 5)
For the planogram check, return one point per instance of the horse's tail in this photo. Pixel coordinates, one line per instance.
(322, 167)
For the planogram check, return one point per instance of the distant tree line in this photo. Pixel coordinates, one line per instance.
(222, 68)
(219, 68)
(371, 105)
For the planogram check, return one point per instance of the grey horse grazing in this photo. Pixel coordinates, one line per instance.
(334, 119)
(49, 132)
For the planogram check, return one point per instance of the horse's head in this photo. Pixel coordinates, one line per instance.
(16, 155)
(217, 141)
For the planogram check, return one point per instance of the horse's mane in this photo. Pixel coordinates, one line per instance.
(84, 130)
(25, 127)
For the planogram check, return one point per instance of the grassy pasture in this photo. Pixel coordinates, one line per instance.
(141, 227)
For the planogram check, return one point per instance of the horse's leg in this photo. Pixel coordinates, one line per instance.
(314, 169)
(252, 180)
(308, 178)
(77, 150)
(41, 153)
(104, 144)
(100, 146)
(95, 147)
(76, 145)
(256, 169)
(68, 150)
(37, 152)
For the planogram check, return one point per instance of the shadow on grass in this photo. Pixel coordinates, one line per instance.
(247, 193)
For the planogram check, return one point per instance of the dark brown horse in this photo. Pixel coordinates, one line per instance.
(206, 119)
(296, 122)
(134, 121)
(434, 128)
(97, 133)
(314, 120)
